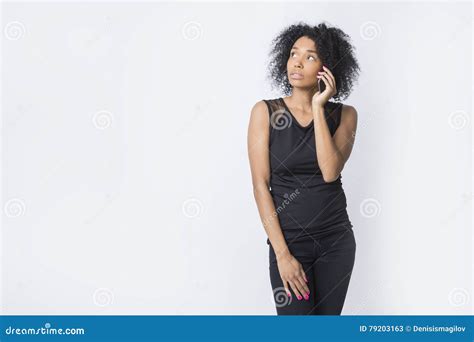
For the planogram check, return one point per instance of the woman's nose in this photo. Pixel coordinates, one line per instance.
(297, 64)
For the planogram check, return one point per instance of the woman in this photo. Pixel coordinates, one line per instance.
(298, 146)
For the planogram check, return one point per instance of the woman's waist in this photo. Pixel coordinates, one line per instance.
(304, 202)
(314, 222)
(302, 182)
(313, 206)
(308, 189)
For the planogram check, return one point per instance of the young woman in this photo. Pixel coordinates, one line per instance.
(297, 147)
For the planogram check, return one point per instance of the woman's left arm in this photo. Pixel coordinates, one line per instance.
(333, 151)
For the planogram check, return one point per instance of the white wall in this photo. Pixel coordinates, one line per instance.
(126, 185)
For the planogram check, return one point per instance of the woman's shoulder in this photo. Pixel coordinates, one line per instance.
(348, 111)
(260, 107)
(342, 108)
(260, 111)
(271, 99)
(347, 115)
(268, 105)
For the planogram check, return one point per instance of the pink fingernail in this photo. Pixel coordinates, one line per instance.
(299, 297)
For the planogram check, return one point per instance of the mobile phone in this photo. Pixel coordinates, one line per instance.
(321, 85)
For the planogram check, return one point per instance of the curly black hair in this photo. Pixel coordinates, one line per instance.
(334, 49)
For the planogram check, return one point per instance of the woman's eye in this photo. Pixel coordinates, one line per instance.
(292, 53)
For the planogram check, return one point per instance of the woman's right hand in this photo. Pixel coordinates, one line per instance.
(292, 274)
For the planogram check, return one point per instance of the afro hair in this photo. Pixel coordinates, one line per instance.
(334, 49)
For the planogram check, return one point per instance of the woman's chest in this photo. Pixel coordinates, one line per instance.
(293, 152)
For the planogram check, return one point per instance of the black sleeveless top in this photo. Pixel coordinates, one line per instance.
(306, 205)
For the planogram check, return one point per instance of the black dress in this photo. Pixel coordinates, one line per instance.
(312, 215)
(306, 205)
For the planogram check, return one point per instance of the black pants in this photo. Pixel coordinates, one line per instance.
(328, 262)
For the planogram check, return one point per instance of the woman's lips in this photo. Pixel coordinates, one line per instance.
(296, 76)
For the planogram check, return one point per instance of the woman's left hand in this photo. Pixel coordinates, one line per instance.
(320, 99)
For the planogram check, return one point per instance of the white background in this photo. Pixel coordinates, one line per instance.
(126, 187)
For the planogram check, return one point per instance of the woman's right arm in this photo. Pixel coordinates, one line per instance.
(258, 139)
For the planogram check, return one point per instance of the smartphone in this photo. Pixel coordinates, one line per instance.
(321, 85)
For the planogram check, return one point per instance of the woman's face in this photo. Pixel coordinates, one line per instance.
(303, 64)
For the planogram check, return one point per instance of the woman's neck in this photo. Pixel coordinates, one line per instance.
(301, 99)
